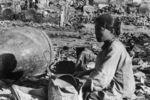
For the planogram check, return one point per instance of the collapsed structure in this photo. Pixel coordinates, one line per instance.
(67, 12)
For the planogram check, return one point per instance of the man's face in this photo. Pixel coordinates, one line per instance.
(99, 33)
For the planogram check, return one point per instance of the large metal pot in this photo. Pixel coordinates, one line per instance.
(31, 47)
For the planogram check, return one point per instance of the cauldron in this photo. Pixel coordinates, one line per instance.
(31, 47)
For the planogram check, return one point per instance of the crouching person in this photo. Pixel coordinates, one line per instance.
(112, 78)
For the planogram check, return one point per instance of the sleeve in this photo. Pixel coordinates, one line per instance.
(105, 71)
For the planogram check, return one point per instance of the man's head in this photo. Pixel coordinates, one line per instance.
(104, 27)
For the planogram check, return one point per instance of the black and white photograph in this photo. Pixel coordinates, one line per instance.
(74, 49)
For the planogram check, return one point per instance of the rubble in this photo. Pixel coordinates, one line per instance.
(79, 32)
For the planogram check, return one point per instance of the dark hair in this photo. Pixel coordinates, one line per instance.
(104, 20)
(108, 22)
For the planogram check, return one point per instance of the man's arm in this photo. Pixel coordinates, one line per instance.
(104, 73)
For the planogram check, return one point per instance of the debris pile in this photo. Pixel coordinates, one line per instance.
(136, 20)
(69, 42)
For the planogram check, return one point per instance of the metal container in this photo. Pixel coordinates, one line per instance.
(31, 47)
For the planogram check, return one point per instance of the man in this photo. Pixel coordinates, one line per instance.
(112, 78)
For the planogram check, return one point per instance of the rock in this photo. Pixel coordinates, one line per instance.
(140, 76)
(8, 14)
(146, 44)
(146, 89)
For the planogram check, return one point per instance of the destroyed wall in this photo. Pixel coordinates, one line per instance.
(14, 5)
(50, 10)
